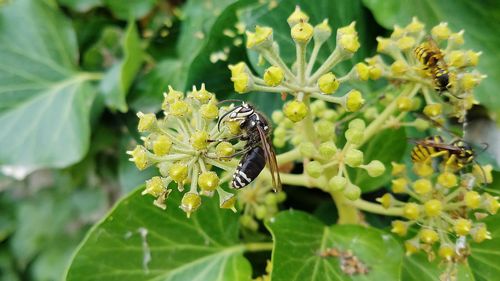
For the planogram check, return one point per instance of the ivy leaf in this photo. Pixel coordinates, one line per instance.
(120, 76)
(44, 101)
(479, 19)
(138, 241)
(387, 146)
(418, 268)
(81, 5)
(484, 255)
(131, 8)
(300, 239)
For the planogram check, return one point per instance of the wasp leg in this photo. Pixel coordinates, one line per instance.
(451, 161)
(241, 137)
(435, 155)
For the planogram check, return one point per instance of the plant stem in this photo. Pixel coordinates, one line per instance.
(258, 246)
(376, 208)
(348, 214)
(312, 59)
(301, 62)
(288, 156)
(274, 59)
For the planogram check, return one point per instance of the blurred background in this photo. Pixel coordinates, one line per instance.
(73, 73)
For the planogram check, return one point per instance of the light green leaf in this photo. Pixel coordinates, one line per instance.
(300, 239)
(131, 8)
(479, 19)
(171, 246)
(484, 258)
(44, 101)
(119, 78)
(418, 268)
(81, 5)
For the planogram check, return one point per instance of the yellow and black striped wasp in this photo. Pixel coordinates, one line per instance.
(429, 54)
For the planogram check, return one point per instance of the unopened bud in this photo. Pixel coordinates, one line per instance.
(295, 110)
(190, 203)
(428, 236)
(399, 227)
(297, 16)
(178, 172)
(302, 32)
(162, 145)
(328, 83)
(199, 140)
(399, 185)
(327, 149)
(411, 211)
(314, 169)
(208, 181)
(353, 157)
(352, 192)
(462, 226)
(273, 76)
(386, 200)
(354, 101)
(375, 168)
(433, 207)
(337, 183)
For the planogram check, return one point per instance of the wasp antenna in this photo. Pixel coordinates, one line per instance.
(224, 116)
(485, 179)
(485, 147)
(229, 100)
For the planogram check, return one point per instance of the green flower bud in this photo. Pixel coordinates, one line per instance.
(411, 211)
(422, 186)
(324, 130)
(428, 236)
(462, 226)
(433, 110)
(352, 192)
(404, 104)
(178, 172)
(202, 95)
(441, 31)
(362, 71)
(171, 97)
(140, 157)
(337, 183)
(273, 76)
(421, 124)
(399, 227)
(399, 67)
(328, 83)
(270, 199)
(199, 140)
(302, 32)
(179, 108)
(307, 149)
(386, 200)
(375, 168)
(295, 110)
(277, 116)
(297, 16)
(353, 101)
(248, 222)
(357, 124)
(433, 208)
(329, 115)
(262, 38)
(260, 212)
(317, 107)
(296, 140)
(154, 186)
(354, 136)
(322, 32)
(209, 111)
(162, 145)
(224, 149)
(327, 149)
(208, 181)
(243, 82)
(472, 199)
(190, 203)
(147, 122)
(353, 157)
(314, 169)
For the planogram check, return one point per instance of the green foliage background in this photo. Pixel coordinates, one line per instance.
(74, 72)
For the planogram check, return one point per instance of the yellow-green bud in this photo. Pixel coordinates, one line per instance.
(317, 107)
(399, 67)
(412, 246)
(262, 38)
(353, 157)
(433, 208)
(423, 169)
(277, 116)
(302, 32)
(224, 149)
(404, 103)
(441, 31)
(483, 174)
(147, 122)
(226, 200)
(428, 236)
(337, 183)
(375, 168)
(234, 127)
(179, 108)
(202, 95)
(273, 76)
(457, 58)
(307, 149)
(462, 226)
(415, 26)
(328, 83)
(472, 199)
(411, 211)
(162, 145)
(354, 136)
(349, 42)
(297, 16)
(329, 114)
(353, 101)
(457, 38)
(490, 203)
(362, 71)
(421, 124)
(384, 45)
(190, 203)
(199, 140)
(171, 97)
(399, 227)
(386, 200)
(352, 192)
(208, 181)
(322, 32)
(399, 185)
(357, 124)
(405, 43)
(397, 32)
(447, 179)
(209, 111)
(472, 57)
(446, 251)
(237, 68)
(398, 169)
(295, 110)
(327, 149)
(480, 233)
(314, 169)
(178, 172)
(242, 82)
(249, 222)
(422, 186)
(154, 186)
(140, 157)
(375, 72)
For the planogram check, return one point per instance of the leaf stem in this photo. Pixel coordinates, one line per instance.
(258, 246)
(376, 208)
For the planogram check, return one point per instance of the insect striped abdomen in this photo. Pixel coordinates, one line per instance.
(249, 168)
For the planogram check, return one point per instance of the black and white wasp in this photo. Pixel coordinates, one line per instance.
(258, 152)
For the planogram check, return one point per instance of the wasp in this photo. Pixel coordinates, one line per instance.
(258, 151)
(457, 152)
(429, 54)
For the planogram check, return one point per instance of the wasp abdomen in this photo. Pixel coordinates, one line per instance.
(249, 168)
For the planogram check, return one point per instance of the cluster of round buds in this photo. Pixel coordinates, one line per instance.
(419, 57)
(181, 144)
(446, 210)
(300, 81)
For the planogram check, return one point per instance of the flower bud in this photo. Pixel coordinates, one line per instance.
(397, 32)
(209, 111)
(457, 39)
(472, 58)
(226, 200)
(353, 157)
(262, 38)
(317, 107)
(457, 58)
(242, 82)
(441, 31)
(483, 173)
(357, 124)
(295, 110)
(234, 127)
(423, 169)
(353, 101)
(154, 186)
(162, 145)
(140, 157)
(375, 72)
(433, 208)
(352, 192)
(399, 67)
(302, 32)
(199, 140)
(411, 211)
(446, 251)
(327, 149)
(415, 26)
(354, 136)
(238, 68)
(422, 186)
(329, 115)
(375, 168)
(322, 32)
(384, 45)
(277, 116)
(273, 76)
(404, 104)
(399, 185)
(405, 43)
(224, 149)
(349, 43)
(249, 222)
(171, 97)
(412, 246)
(362, 71)
(314, 169)
(462, 226)
(428, 236)
(398, 169)
(208, 181)
(179, 108)
(447, 179)
(386, 200)
(202, 95)
(337, 183)
(472, 199)
(328, 83)
(480, 233)
(421, 124)
(399, 227)
(490, 203)
(433, 110)
(147, 122)
(190, 203)
(297, 16)
(178, 172)
(469, 81)
(307, 149)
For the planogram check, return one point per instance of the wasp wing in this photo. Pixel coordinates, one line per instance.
(270, 159)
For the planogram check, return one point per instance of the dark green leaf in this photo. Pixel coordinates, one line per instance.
(484, 257)
(480, 19)
(300, 239)
(44, 101)
(131, 8)
(204, 247)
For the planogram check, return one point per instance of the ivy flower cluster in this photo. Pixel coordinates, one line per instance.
(182, 145)
(446, 208)
(302, 80)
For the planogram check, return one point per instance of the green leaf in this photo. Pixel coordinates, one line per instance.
(119, 78)
(300, 239)
(81, 5)
(387, 146)
(480, 19)
(418, 268)
(44, 101)
(204, 247)
(484, 257)
(131, 8)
